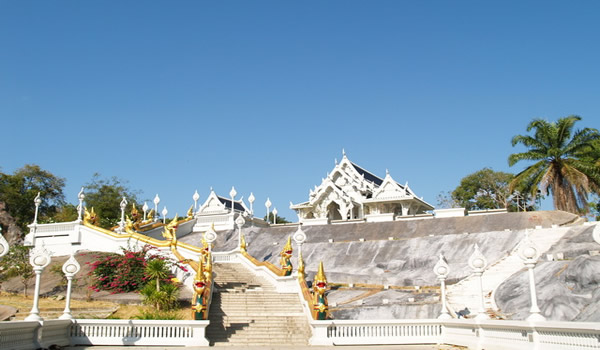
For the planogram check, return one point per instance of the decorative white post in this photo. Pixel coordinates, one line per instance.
(123, 204)
(529, 253)
(268, 205)
(275, 216)
(3, 245)
(251, 200)
(441, 270)
(232, 193)
(156, 201)
(39, 259)
(195, 197)
(210, 236)
(164, 214)
(478, 263)
(81, 197)
(70, 268)
(37, 201)
(240, 222)
(299, 237)
(145, 209)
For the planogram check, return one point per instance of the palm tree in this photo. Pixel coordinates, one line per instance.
(566, 162)
(157, 269)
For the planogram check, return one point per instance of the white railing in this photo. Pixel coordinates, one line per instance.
(489, 335)
(52, 229)
(138, 332)
(216, 219)
(352, 332)
(225, 257)
(19, 335)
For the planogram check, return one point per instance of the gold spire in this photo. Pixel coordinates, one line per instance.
(190, 211)
(321, 274)
(288, 245)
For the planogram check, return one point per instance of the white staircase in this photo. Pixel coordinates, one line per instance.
(247, 310)
(466, 292)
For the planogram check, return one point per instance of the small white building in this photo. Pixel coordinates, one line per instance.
(217, 210)
(350, 192)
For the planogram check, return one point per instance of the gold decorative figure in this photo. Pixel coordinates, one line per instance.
(242, 244)
(129, 225)
(286, 256)
(170, 230)
(135, 214)
(199, 299)
(90, 217)
(320, 305)
(190, 212)
(301, 274)
(150, 216)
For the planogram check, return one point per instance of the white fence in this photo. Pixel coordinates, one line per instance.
(27, 335)
(489, 335)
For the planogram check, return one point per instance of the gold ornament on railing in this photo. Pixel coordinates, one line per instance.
(135, 214)
(170, 230)
(286, 258)
(199, 300)
(190, 212)
(301, 274)
(320, 305)
(90, 217)
(242, 244)
(150, 216)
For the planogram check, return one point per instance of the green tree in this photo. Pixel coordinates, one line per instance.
(157, 269)
(565, 162)
(16, 263)
(280, 219)
(484, 189)
(19, 190)
(105, 196)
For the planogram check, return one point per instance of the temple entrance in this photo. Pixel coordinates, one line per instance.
(333, 211)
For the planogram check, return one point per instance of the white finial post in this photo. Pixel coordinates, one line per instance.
(145, 209)
(268, 205)
(529, 253)
(275, 216)
(3, 245)
(39, 259)
(232, 193)
(81, 197)
(164, 214)
(441, 270)
(343, 153)
(123, 204)
(478, 263)
(240, 222)
(251, 200)
(37, 201)
(70, 268)
(210, 236)
(299, 237)
(156, 201)
(195, 197)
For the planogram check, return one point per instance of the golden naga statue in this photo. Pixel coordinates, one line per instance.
(90, 217)
(242, 244)
(170, 231)
(150, 216)
(301, 274)
(129, 225)
(286, 256)
(201, 289)
(135, 214)
(320, 306)
(190, 212)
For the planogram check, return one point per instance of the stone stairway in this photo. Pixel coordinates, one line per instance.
(465, 293)
(247, 310)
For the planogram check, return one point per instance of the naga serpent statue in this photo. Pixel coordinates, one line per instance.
(320, 306)
(286, 256)
(203, 269)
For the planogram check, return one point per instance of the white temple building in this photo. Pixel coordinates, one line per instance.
(350, 192)
(217, 210)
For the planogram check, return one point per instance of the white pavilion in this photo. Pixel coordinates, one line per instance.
(349, 192)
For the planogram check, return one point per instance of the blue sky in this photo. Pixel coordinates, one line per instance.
(263, 95)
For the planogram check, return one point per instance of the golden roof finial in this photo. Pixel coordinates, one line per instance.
(190, 211)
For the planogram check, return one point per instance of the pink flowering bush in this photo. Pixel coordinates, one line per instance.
(123, 273)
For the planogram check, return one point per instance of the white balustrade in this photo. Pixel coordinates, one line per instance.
(139, 332)
(52, 229)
